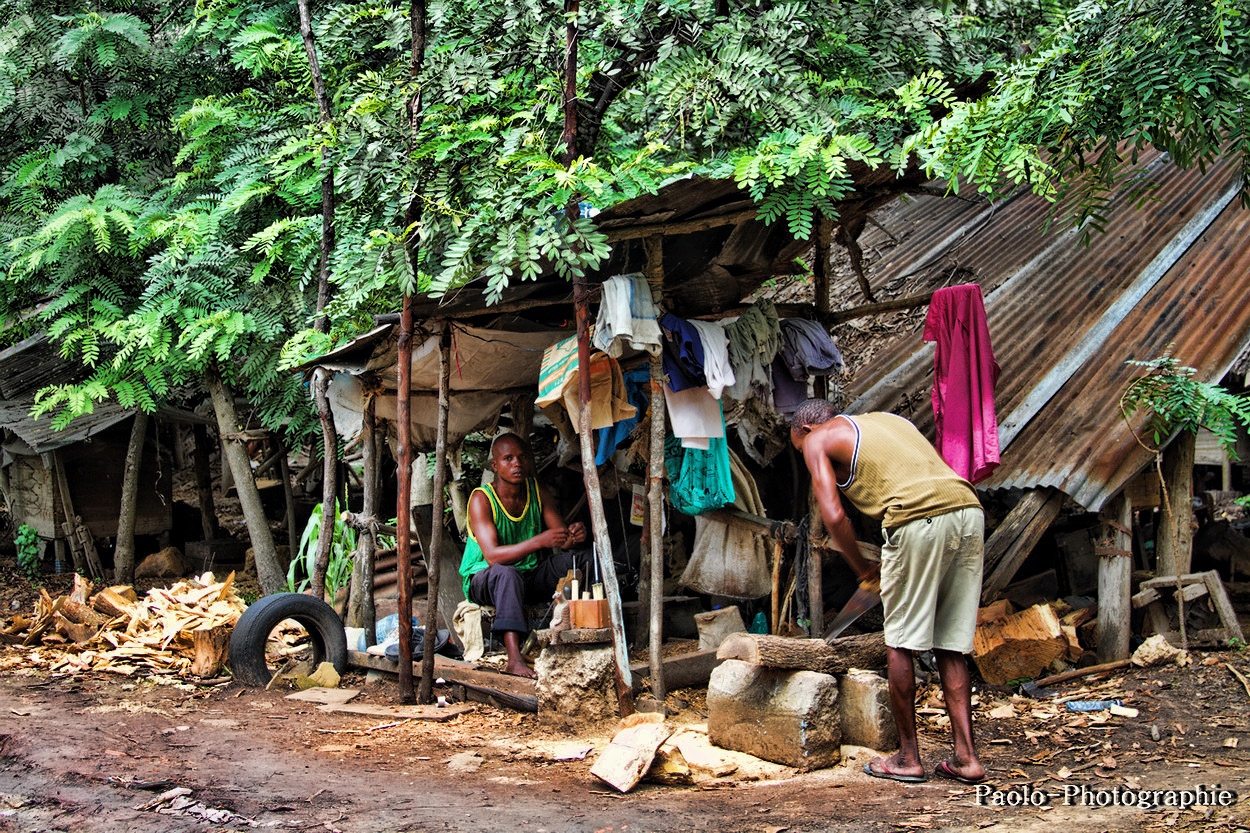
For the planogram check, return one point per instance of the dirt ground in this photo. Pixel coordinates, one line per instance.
(87, 753)
(95, 752)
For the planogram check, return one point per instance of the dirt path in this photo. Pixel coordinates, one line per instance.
(81, 754)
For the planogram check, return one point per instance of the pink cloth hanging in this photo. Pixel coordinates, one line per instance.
(964, 374)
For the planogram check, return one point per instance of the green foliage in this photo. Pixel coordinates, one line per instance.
(29, 551)
(342, 553)
(1176, 402)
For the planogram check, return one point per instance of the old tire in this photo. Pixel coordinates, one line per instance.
(247, 640)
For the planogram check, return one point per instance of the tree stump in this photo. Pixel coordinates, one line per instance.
(211, 649)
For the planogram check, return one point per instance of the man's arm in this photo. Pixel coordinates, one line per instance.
(817, 453)
(483, 525)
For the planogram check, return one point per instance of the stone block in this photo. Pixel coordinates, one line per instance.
(787, 717)
(864, 701)
(576, 685)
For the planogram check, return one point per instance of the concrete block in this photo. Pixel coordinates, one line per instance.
(787, 717)
(576, 685)
(864, 702)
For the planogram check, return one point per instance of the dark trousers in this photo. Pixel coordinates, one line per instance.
(508, 590)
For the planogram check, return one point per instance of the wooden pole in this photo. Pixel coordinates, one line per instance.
(329, 480)
(62, 500)
(360, 610)
(815, 571)
(124, 554)
(403, 508)
(655, 485)
(288, 493)
(1176, 536)
(776, 589)
(1115, 577)
(434, 561)
(590, 474)
(820, 275)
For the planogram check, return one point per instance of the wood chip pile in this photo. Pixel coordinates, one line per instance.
(184, 629)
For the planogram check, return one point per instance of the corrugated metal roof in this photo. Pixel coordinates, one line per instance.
(41, 436)
(1065, 318)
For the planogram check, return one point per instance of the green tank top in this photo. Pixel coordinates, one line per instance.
(511, 530)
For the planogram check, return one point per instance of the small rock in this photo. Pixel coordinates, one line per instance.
(465, 762)
(1155, 734)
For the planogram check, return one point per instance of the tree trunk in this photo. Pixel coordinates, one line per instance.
(268, 568)
(288, 494)
(1175, 542)
(329, 481)
(204, 483)
(322, 323)
(124, 555)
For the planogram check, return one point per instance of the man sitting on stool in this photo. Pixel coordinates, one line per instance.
(510, 522)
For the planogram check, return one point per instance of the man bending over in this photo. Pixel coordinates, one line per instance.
(511, 521)
(930, 570)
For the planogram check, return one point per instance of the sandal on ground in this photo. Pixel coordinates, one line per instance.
(944, 770)
(893, 776)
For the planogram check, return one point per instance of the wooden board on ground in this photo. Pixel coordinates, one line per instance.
(434, 713)
(633, 748)
(324, 696)
(517, 692)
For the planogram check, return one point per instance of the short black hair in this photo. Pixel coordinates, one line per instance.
(813, 412)
(516, 438)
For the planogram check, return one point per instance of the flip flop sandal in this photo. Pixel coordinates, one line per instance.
(944, 770)
(894, 776)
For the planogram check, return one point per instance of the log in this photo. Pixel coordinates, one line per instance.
(1115, 579)
(866, 651)
(211, 649)
(114, 601)
(1020, 646)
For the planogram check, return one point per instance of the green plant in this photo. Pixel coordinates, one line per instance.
(29, 550)
(342, 550)
(1235, 644)
(1177, 402)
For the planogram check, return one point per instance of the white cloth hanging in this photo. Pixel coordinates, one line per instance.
(694, 415)
(626, 317)
(716, 365)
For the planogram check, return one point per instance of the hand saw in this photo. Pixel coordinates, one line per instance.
(864, 599)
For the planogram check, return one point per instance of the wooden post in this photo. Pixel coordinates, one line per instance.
(434, 561)
(815, 571)
(61, 499)
(329, 480)
(776, 589)
(268, 571)
(403, 509)
(1176, 535)
(655, 486)
(288, 493)
(360, 610)
(590, 474)
(1115, 576)
(124, 553)
(204, 483)
(820, 281)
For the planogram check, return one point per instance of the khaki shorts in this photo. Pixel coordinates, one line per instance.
(931, 581)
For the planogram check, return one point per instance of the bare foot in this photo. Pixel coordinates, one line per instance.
(520, 669)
